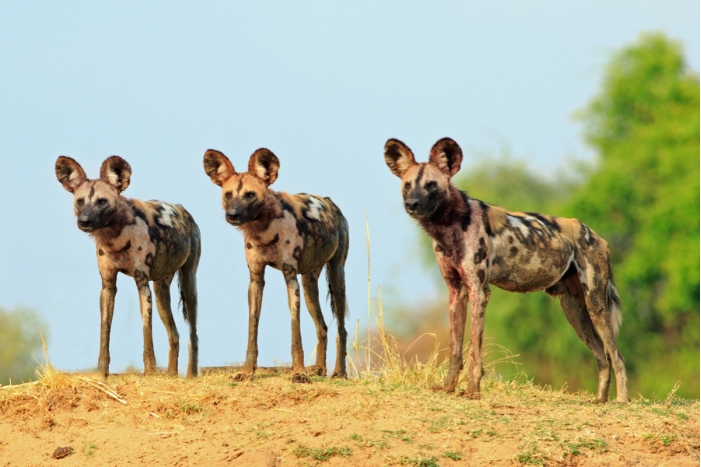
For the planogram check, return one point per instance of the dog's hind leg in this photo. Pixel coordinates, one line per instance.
(596, 285)
(573, 304)
(310, 284)
(145, 304)
(161, 289)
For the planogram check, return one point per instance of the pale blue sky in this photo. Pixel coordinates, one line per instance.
(322, 84)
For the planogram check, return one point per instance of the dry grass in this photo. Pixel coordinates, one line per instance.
(373, 422)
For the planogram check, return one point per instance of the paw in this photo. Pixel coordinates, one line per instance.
(440, 388)
(243, 376)
(339, 374)
(316, 370)
(473, 396)
(300, 378)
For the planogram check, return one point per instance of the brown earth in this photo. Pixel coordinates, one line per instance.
(270, 421)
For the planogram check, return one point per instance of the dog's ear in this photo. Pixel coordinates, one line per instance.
(218, 166)
(447, 156)
(117, 172)
(69, 173)
(398, 157)
(264, 165)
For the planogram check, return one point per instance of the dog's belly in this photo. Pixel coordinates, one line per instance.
(529, 269)
(317, 252)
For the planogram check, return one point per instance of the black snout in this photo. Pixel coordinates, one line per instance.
(233, 217)
(85, 223)
(411, 205)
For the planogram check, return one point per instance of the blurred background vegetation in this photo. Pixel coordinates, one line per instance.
(20, 344)
(642, 196)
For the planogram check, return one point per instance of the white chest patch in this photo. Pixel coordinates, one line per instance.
(167, 215)
(315, 206)
(516, 222)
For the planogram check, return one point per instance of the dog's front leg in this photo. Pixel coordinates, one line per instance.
(255, 301)
(457, 301)
(107, 294)
(479, 297)
(145, 303)
(458, 315)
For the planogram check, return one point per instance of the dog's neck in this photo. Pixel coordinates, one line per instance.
(452, 213)
(112, 231)
(271, 210)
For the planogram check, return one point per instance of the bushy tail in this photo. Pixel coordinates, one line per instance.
(185, 287)
(341, 284)
(614, 305)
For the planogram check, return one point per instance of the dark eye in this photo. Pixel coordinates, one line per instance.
(80, 202)
(430, 185)
(407, 185)
(250, 195)
(101, 201)
(228, 196)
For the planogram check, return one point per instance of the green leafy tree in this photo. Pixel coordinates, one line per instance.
(20, 343)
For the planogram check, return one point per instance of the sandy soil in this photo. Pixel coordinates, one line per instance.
(269, 421)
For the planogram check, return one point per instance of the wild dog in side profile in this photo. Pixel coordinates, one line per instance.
(147, 240)
(296, 234)
(477, 244)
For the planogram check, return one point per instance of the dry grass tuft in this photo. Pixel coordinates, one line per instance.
(378, 358)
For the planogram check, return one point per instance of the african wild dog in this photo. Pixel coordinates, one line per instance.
(477, 244)
(149, 241)
(296, 234)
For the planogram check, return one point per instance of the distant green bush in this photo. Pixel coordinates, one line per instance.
(20, 344)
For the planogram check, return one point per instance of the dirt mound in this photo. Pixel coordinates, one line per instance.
(77, 420)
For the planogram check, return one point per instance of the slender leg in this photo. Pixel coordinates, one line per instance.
(107, 294)
(146, 318)
(457, 305)
(574, 306)
(478, 305)
(310, 283)
(298, 373)
(255, 301)
(595, 287)
(161, 289)
(457, 298)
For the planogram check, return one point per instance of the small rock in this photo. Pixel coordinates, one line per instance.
(60, 453)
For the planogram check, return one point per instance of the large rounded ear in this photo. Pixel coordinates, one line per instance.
(447, 156)
(398, 157)
(117, 172)
(218, 167)
(264, 165)
(69, 173)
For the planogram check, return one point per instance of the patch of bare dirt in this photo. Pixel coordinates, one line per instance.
(76, 420)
